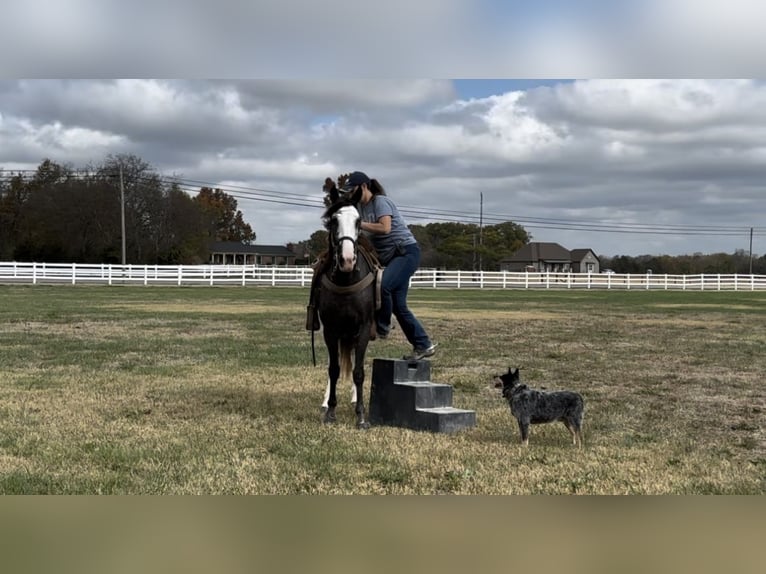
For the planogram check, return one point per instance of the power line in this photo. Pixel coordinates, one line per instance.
(248, 193)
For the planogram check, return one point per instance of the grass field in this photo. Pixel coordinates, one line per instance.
(138, 390)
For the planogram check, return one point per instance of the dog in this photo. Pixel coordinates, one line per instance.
(531, 406)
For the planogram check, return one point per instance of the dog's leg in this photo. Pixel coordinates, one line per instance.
(572, 430)
(524, 429)
(578, 436)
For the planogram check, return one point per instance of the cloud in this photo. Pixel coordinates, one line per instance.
(683, 152)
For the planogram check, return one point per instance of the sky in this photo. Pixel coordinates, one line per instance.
(538, 115)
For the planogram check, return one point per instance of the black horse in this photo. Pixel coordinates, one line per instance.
(346, 302)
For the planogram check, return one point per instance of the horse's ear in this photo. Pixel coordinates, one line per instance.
(332, 192)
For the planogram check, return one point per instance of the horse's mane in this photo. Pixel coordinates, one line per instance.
(335, 207)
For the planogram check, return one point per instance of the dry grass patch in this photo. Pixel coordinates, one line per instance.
(99, 396)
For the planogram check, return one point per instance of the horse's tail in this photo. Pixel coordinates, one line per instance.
(345, 360)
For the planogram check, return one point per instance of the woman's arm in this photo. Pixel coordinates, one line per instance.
(380, 227)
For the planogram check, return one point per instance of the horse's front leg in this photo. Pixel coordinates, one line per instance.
(358, 375)
(333, 372)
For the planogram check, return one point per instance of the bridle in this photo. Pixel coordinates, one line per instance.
(339, 247)
(338, 242)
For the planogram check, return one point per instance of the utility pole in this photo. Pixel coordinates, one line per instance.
(751, 251)
(122, 213)
(481, 226)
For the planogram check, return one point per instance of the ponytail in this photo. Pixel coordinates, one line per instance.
(376, 188)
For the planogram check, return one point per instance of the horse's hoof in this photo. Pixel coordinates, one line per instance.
(364, 425)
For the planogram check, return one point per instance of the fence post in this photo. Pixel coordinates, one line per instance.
(243, 275)
(74, 273)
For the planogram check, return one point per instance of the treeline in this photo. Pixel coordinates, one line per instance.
(737, 262)
(60, 214)
(448, 245)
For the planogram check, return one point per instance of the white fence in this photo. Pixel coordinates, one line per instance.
(245, 275)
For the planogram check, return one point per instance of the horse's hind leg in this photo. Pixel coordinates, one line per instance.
(327, 395)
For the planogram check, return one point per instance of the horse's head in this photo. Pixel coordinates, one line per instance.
(343, 224)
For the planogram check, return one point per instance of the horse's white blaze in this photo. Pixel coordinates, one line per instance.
(347, 218)
(325, 403)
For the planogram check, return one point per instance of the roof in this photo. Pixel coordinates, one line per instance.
(236, 247)
(579, 254)
(540, 252)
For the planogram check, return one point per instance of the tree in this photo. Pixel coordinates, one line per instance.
(13, 195)
(225, 221)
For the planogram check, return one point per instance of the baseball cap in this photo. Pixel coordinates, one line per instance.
(356, 178)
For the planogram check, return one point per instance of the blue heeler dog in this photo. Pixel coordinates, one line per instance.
(531, 406)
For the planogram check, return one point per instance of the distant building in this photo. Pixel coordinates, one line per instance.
(234, 253)
(585, 261)
(551, 257)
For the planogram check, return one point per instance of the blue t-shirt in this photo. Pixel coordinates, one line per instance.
(386, 244)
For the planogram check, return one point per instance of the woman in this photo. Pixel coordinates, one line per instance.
(398, 250)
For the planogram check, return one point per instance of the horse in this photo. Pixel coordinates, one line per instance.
(346, 302)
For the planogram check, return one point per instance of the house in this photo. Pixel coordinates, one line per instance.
(538, 257)
(551, 257)
(585, 261)
(235, 253)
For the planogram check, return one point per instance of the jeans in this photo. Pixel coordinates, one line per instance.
(394, 287)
